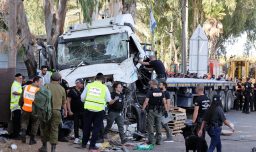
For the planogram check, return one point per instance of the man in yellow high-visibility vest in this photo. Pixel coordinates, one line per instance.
(16, 91)
(95, 97)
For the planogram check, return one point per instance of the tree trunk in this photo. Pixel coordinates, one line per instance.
(54, 24)
(95, 13)
(26, 39)
(115, 7)
(129, 7)
(12, 29)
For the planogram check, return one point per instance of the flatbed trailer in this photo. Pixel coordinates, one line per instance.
(183, 91)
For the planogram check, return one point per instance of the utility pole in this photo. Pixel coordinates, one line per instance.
(184, 35)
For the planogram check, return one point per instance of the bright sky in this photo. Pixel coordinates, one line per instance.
(237, 48)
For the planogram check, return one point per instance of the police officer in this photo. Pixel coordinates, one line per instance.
(239, 96)
(95, 96)
(163, 86)
(156, 104)
(115, 108)
(247, 95)
(16, 91)
(214, 119)
(50, 129)
(26, 103)
(157, 66)
(254, 93)
(201, 105)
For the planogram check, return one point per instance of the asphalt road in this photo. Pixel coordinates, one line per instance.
(243, 140)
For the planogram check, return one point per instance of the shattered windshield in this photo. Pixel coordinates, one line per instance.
(100, 49)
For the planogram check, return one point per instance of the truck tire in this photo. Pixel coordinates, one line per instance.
(229, 100)
(223, 99)
(212, 93)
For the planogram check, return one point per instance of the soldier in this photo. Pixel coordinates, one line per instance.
(248, 95)
(115, 111)
(26, 103)
(239, 96)
(49, 130)
(163, 86)
(156, 103)
(254, 93)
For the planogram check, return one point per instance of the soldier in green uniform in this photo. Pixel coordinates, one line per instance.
(49, 130)
(156, 103)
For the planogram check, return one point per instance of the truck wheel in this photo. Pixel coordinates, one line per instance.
(223, 99)
(229, 100)
(212, 93)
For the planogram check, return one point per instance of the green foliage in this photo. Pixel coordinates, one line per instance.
(35, 15)
(167, 35)
(87, 9)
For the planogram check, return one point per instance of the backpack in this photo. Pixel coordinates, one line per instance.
(42, 105)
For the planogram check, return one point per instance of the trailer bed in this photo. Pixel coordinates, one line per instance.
(191, 82)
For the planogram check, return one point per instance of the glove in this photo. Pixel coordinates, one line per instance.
(165, 114)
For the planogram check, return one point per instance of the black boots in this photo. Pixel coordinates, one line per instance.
(23, 135)
(53, 148)
(32, 140)
(43, 148)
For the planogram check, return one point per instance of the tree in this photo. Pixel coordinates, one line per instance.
(26, 38)
(12, 30)
(215, 11)
(54, 23)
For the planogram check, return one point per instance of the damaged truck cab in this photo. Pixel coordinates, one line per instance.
(108, 46)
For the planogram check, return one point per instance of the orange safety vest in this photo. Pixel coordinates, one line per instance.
(29, 97)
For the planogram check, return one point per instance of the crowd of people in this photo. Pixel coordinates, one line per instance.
(245, 96)
(85, 105)
(209, 116)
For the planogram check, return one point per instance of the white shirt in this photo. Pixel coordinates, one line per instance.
(46, 78)
(107, 98)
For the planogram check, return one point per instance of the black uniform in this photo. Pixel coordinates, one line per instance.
(165, 126)
(214, 122)
(159, 68)
(239, 97)
(254, 92)
(115, 114)
(204, 103)
(248, 96)
(77, 108)
(155, 109)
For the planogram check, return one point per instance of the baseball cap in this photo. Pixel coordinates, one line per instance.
(79, 80)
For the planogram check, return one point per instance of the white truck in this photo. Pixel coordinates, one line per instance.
(111, 47)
